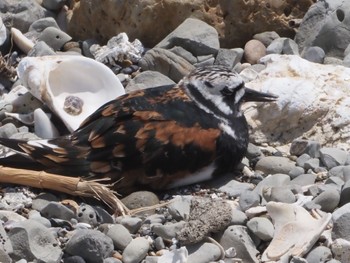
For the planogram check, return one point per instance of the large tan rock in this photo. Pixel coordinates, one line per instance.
(151, 20)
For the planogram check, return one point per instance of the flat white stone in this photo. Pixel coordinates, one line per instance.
(313, 102)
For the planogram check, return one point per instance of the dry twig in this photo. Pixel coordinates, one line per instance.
(70, 185)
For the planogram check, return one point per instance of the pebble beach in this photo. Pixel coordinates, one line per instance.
(288, 201)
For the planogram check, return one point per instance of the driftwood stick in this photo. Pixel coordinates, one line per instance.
(70, 185)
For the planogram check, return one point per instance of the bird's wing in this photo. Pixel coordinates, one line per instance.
(157, 131)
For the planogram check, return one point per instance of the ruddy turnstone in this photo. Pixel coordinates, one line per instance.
(157, 138)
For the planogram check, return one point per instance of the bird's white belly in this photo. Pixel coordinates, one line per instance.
(199, 176)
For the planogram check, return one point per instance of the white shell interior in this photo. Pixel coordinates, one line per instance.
(52, 78)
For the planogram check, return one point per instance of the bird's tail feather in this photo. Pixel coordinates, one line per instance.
(51, 153)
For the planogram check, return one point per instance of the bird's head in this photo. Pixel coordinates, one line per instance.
(216, 88)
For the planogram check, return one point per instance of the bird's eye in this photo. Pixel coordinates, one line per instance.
(227, 92)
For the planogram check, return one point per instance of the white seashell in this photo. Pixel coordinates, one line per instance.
(43, 127)
(73, 87)
(21, 41)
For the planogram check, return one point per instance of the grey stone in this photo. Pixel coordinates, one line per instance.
(266, 37)
(238, 217)
(347, 51)
(253, 152)
(296, 171)
(35, 215)
(346, 61)
(85, 46)
(325, 25)
(290, 47)
(274, 165)
(336, 182)
(345, 193)
(91, 245)
(348, 159)
(279, 194)
(41, 49)
(40, 24)
(194, 35)
(248, 199)
(136, 251)
(159, 243)
(276, 46)
(151, 259)
(332, 157)
(234, 188)
(111, 260)
(140, 199)
(337, 171)
(54, 5)
(57, 210)
(179, 208)
(229, 57)
(54, 38)
(314, 54)
(168, 231)
(102, 215)
(133, 224)
(300, 146)
(166, 62)
(341, 250)
(334, 261)
(5, 242)
(33, 241)
(271, 181)
(261, 227)
(4, 257)
(341, 226)
(74, 259)
(346, 173)
(238, 237)
(87, 214)
(320, 254)
(119, 235)
(302, 159)
(206, 60)
(332, 61)
(154, 219)
(328, 200)
(7, 130)
(148, 79)
(43, 200)
(312, 164)
(180, 51)
(21, 14)
(203, 252)
(304, 179)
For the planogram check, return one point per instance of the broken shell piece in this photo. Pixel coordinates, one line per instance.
(118, 50)
(73, 87)
(296, 231)
(21, 41)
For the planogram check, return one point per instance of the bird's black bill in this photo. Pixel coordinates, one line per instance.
(253, 95)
